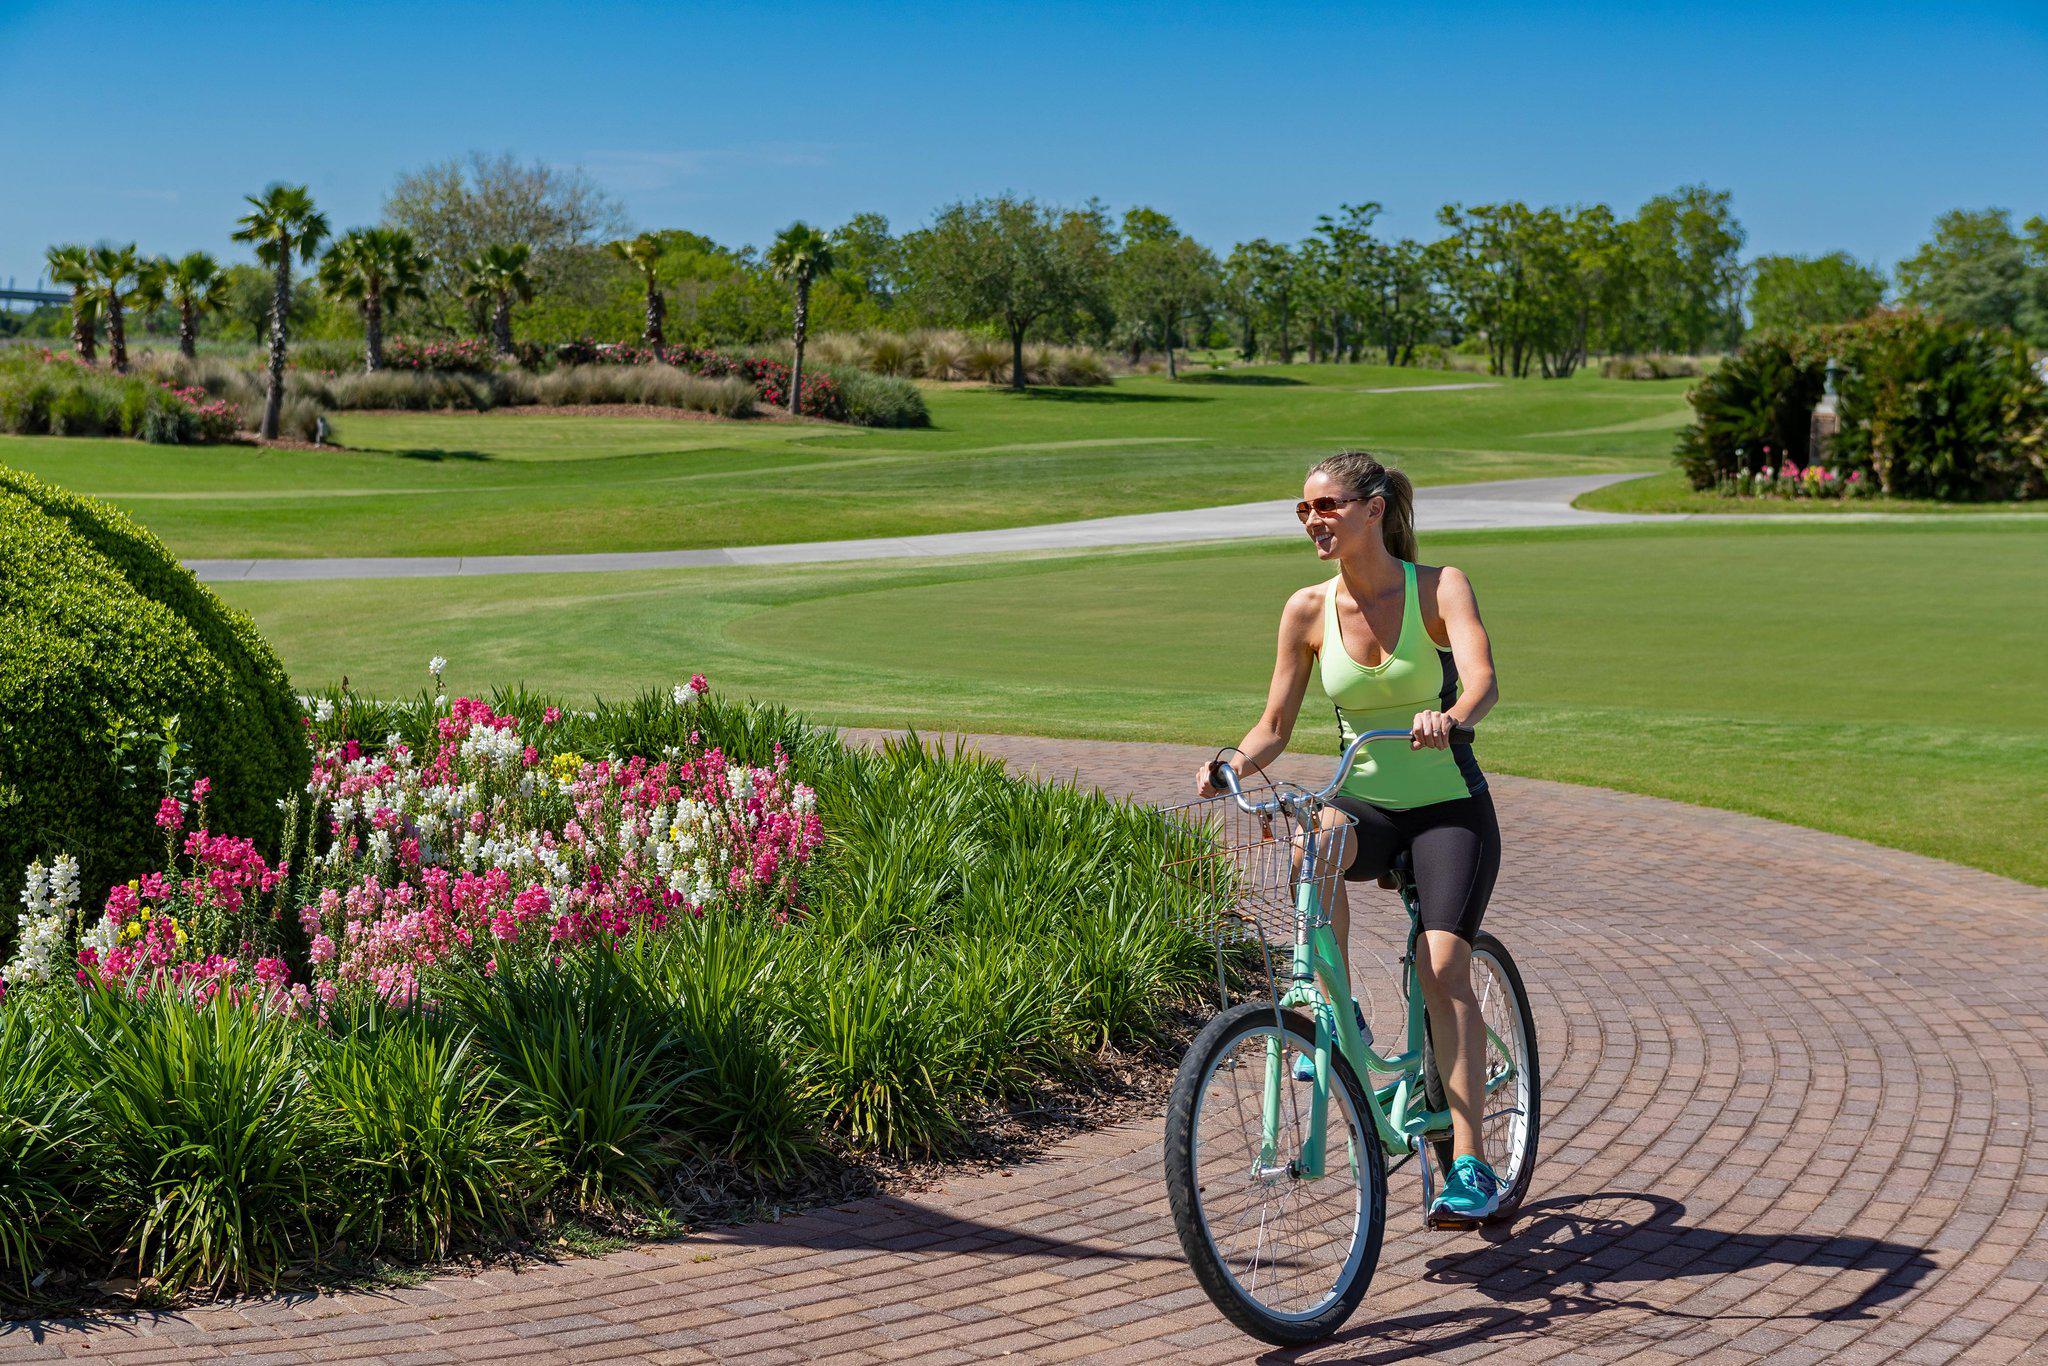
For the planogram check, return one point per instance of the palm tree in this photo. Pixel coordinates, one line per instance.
(800, 254)
(281, 222)
(643, 253)
(196, 284)
(374, 268)
(71, 264)
(120, 280)
(495, 276)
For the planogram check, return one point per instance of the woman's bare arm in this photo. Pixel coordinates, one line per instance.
(1458, 609)
(1293, 663)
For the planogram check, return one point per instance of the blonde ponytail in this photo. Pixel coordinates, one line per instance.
(1364, 475)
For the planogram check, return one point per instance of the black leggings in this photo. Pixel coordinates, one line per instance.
(1453, 846)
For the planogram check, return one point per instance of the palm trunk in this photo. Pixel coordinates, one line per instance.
(280, 306)
(1166, 335)
(501, 323)
(188, 330)
(1017, 357)
(373, 330)
(657, 310)
(803, 318)
(117, 334)
(84, 326)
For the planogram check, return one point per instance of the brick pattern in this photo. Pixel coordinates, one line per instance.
(1795, 1092)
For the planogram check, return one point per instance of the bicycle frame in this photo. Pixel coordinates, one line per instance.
(1400, 1117)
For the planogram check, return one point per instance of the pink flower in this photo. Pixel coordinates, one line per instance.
(170, 814)
(550, 716)
(699, 685)
(201, 789)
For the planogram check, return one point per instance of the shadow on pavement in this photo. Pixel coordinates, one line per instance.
(893, 1224)
(1586, 1267)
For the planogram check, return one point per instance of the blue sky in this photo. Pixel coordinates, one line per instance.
(1832, 126)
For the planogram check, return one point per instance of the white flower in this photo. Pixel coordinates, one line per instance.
(681, 694)
(323, 710)
(435, 665)
(441, 702)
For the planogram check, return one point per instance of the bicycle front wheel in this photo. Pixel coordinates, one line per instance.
(1284, 1251)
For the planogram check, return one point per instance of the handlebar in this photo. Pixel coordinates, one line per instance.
(1226, 777)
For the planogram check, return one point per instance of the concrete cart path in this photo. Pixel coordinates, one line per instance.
(1502, 503)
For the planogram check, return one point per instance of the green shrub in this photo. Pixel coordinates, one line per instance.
(1754, 410)
(878, 400)
(50, 1158)
(1649, 367)
(431, 1159)
(1938, 409)
(327, 354)
(203, 1113)
(103, 636)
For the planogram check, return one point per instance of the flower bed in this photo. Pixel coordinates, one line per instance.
(512, 961)
(1787, 480)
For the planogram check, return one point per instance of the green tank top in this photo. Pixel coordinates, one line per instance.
(1415, 676)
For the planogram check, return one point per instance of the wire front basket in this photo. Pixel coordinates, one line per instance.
(1245, 870)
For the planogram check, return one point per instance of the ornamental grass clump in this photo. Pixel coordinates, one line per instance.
(435, 1154)
(51, 1160)
(223, 1173)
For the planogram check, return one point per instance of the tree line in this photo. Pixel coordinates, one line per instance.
(479, 246)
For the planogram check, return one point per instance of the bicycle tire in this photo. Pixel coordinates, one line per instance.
(1216, 1040)
(1529, 1066)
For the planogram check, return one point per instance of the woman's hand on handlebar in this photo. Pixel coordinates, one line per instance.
(1205, 780)
(1432, 730)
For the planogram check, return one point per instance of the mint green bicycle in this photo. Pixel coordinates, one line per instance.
(1279, 1185)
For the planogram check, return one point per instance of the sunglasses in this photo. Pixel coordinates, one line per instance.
(1325, 506)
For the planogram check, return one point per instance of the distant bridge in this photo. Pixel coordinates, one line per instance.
(34, 298)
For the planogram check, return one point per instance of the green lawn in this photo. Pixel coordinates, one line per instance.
(1673, 492)
(1874, 679)
(447, 484)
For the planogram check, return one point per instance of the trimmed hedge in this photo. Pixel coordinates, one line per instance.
(102, 630)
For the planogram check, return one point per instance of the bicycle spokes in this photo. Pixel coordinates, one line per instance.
(1284, 1222)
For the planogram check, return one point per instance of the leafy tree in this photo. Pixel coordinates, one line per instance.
(1974, 270)
(120, 280)
(71, 264)
(1787, 292)
(801, 253)
(456, 208)
(374, 269)
(1686, 248)
(281, 223)
(1009, 261)
(1261, 284)
(196, 285)
(869, 260)
(1162, 276)
(248, 296)
(643, 253)
(493, 278)
(2034, 306)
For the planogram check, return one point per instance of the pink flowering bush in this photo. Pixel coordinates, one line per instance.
(467, 355)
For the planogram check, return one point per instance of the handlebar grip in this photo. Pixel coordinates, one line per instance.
(1463, 735)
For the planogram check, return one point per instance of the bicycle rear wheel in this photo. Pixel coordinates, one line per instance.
(1286, 1256)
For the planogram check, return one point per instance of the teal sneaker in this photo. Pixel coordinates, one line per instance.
(1470, 1193)
(1305, 1066)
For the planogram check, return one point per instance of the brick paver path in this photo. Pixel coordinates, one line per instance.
(1796, 1096)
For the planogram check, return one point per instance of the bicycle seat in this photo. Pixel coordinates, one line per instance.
(1398, 872)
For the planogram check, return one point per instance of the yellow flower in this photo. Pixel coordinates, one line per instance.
(566, 767)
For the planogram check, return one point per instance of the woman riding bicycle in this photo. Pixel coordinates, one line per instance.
(1400, 645)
